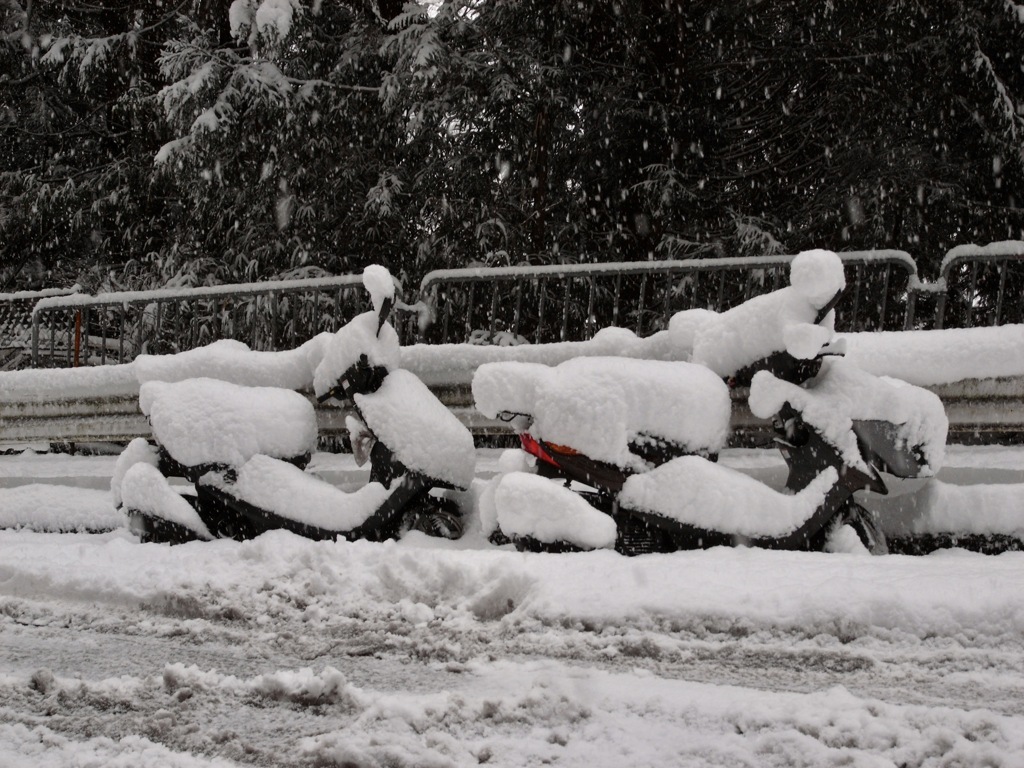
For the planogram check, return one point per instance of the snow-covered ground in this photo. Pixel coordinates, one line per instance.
(284, 651)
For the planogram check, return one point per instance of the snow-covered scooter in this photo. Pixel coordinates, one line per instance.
(621, 453)
(245, 449)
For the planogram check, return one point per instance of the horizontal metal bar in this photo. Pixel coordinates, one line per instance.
(1009, 250)
(611, 269)
(240, 290)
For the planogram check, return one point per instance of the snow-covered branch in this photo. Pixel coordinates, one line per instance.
(1016, 9)
(1002, 101)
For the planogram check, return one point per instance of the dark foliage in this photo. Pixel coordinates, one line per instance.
(206, 141)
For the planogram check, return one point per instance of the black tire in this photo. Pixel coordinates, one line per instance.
(867, 527)
(436, 516)
(156, 530)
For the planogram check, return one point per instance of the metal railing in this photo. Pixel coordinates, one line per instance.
(981, 285)
(16, 323)
(977, 286)
(567, 302)
(116, 327)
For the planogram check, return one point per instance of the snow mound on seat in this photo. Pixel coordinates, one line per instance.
(230, 360)
(509, 387)
(529, 505)
(419, 429)
(694, 491)
(599, 405)
(138, 450)
(201, 421)
(351, 341)
(286, 490)
(145, 490)
(782, 320)
(842, 393)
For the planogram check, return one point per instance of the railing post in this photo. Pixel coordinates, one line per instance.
(35, 339)
(911, 311)
(273, 320)
(1002, 290)
(469, 311)
(78, 335)
(494, 311)
(564, 333)
(446, 322)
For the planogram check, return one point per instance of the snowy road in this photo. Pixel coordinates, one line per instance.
(281, 651)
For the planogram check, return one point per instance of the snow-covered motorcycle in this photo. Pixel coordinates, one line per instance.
(621, 453)
(244, 449)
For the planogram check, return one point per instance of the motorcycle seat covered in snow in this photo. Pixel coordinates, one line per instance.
(615, 413)
(206, 424)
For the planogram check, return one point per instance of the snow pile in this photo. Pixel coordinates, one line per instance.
(943, 508)
(138, 450)
(601, 405)
(517, 713)
(206, 421)
(233, 361)
(456, 363)
(684, 326)
(842, 393)
(694, 491)
(55, 508)
(300, 686)
(929, 358)
(781, 320)
(38, 746)
(506, 712)
(922, 357)
(286, 490)
(145, 490)
(34, 385)
(757, 589)
(526, 505)
(419, 429)
(353, 340)
(224, 653)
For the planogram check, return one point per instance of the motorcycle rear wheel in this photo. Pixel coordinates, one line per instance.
(866, 525)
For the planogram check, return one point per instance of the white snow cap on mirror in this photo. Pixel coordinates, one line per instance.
(817, 275)
(379, 284)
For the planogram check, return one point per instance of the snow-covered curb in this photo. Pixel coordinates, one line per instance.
(978, 373)
(925, 358)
